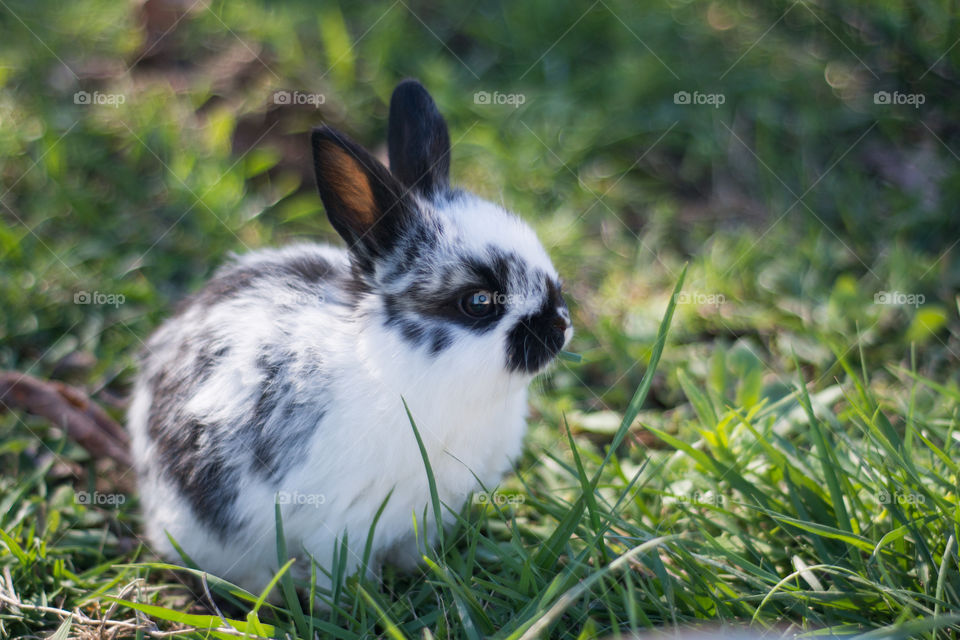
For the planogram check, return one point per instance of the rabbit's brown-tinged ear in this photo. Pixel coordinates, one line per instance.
(417, 140)
(365, 204)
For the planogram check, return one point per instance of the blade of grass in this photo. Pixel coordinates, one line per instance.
(640, 396)
(290, 597)
(431, 480)
(537, 627)
(385, 621)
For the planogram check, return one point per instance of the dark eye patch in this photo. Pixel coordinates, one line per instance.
(444, 306)
(494, 272)
(423, 312)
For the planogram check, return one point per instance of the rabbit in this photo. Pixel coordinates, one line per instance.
(286, 379)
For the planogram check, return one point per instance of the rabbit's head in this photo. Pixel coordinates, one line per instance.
(442, 268)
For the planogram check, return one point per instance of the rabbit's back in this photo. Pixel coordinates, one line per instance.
(229, 393)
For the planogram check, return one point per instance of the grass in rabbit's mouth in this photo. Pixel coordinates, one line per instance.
(773, 445)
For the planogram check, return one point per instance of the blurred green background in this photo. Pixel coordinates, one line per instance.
(802, 157)
(798, 198)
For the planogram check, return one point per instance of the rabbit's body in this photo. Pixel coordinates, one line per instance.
(283, 380)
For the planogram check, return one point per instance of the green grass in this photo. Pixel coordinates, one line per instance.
(771, 446)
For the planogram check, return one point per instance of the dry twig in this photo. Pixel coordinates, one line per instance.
(69, 408)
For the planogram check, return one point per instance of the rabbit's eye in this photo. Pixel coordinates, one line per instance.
(478, 304)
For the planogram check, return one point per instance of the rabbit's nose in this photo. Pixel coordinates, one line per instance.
(560, 323)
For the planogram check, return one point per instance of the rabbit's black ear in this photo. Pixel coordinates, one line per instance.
(365, 204)
(417, 140)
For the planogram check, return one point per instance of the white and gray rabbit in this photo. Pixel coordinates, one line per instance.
(283, 379)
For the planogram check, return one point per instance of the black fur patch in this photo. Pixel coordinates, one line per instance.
(224, 286)
(191, 456)
(440, 341)
(299, 273)
(277, 443)
(207, 359)
(418, 142)
(538, 337)
(311, 270)
(413, 332)
(411, 248)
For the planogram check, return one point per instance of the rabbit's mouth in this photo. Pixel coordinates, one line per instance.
(536, 339)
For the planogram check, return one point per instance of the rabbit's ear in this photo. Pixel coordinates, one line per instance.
(365, 204)
(417, 140)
